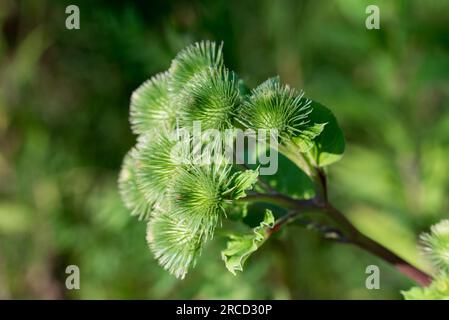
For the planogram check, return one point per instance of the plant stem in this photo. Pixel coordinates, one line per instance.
(368, 244)
(350, 232)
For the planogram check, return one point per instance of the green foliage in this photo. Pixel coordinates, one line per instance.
(240, 247)
(329, 146)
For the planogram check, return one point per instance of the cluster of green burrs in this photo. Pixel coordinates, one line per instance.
(184, 201)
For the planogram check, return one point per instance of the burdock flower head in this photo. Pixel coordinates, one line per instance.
(183, 199)
(273, 106)
(212, 97)
(172, 242)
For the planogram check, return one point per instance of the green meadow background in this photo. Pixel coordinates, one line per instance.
(64, 99)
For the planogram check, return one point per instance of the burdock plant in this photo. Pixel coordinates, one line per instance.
(184, 200)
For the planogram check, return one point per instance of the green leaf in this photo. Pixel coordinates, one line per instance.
(240, 247)
(305, 138)
(290, 179)
(329, 146)
(240, 182)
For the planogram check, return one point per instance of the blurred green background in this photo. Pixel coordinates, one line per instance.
(64, 97)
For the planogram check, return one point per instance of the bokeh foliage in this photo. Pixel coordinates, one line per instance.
(64, 130)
